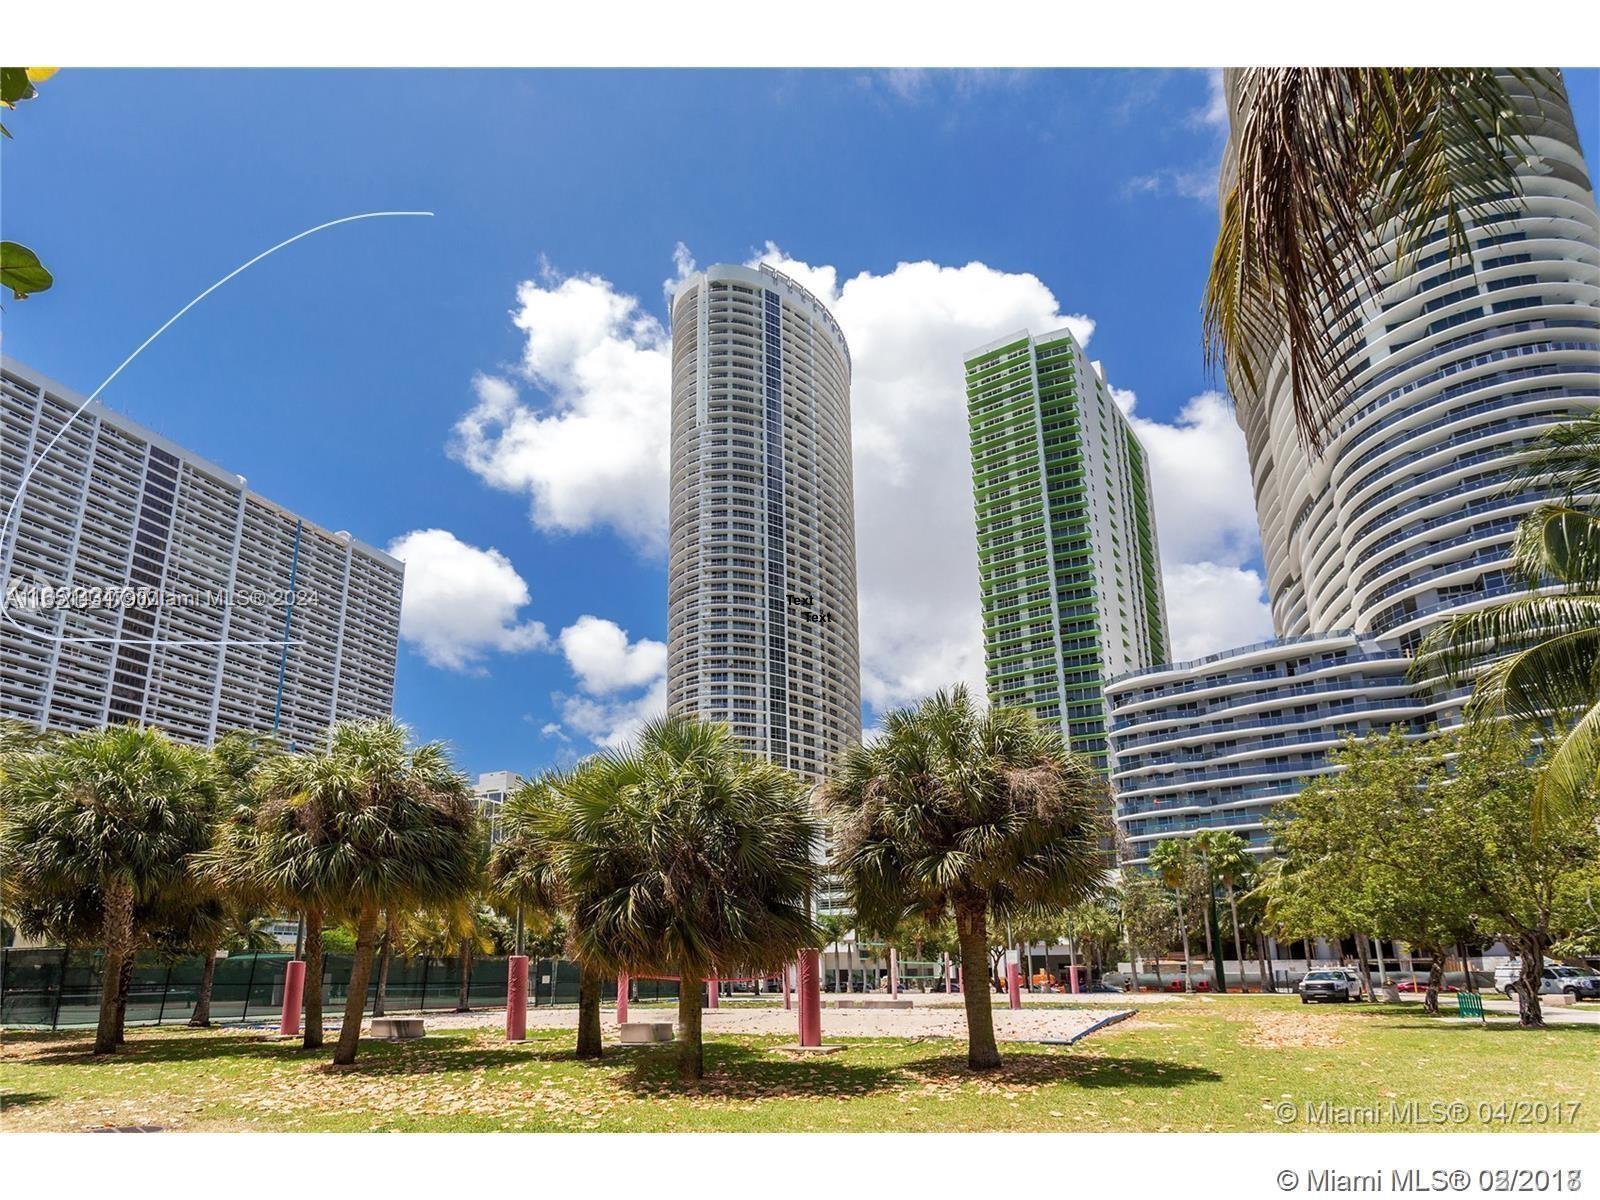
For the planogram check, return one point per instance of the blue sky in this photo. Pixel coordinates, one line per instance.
(935, 210)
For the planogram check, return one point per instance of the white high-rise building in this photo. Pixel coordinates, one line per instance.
(1405, 517)
(146, 584)
(761, 578)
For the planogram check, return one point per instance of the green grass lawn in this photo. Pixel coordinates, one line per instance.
(1205, 1064)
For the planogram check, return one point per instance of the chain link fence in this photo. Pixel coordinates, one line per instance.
(56, 988)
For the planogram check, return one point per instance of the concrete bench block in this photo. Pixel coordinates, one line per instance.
(639, 1033)
(397, 1029)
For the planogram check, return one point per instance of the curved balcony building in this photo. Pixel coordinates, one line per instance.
(762, 629)
(1457, 366)
(1406, 516)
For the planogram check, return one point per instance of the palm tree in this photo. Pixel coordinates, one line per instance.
(226, 907)
(835, 928)
(1173, 862)
(1543, 649)
(370, 822)
(118, 810)
(1228, 859)
(523, 874)
(1330, 164)
(684, 855)
(983, 813)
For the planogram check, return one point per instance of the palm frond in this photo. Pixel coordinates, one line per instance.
(1331, 165)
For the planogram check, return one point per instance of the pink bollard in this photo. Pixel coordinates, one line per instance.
(1014, 985)
(810, 999)
(517, 998)
(294, 983)
(622, 997)
(1072, 979)
(960, 983)
(947, 975)
(894, 972)
(712, 988)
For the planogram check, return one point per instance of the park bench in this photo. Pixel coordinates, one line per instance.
(1469, 1005)
(639, 1033)
(397, 1029)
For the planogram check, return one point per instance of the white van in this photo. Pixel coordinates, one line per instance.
(1557, 979)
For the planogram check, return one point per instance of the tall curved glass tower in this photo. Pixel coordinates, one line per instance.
(761, 581)
(1457, 368)
(1405, 517)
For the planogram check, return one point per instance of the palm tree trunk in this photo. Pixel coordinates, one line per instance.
(691, 1049)
(311, 995)
(590, 981)
(200, 1018)
(355, 1004)
(1430, 1003)
(1238, 938)
(972, 932)
(1263, 968)
(1157, 963)
(124, 986)
(1183, 928)
(117, 935)
(385, 956)
(464, 965)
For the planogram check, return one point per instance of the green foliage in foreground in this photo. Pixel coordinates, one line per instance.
(1222, 1063)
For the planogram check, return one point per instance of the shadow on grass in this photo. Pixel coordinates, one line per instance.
(192, 1047)
(1081, 1070)
(23, 1099)
(739, 1072)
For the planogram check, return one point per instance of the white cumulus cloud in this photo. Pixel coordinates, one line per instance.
(622, 683)
(1206, 525)
(1214, 607)
(609, 721)
(605, 661)
(592, 449)
(461, 602)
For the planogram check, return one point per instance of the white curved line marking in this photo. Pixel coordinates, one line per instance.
(12, 513)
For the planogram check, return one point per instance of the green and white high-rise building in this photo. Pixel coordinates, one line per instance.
(1070, 575)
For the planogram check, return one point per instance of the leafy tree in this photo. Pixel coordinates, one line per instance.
(1149, 918)
(118, 812)
(977, 814)
(1364, 851)
(1521, 878)
(683, 855)
(368, 823)
(1543, 649)
(1095, 928)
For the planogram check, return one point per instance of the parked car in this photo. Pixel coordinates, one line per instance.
(1421, 985)
(1326, 985)
(1103, 986)
(1558, 979)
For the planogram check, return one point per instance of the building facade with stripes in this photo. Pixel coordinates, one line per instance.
(1406, 516)
(1068, 565)
(761, 578)
(145, 584)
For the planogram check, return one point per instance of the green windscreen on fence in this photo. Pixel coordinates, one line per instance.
(55, 987)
